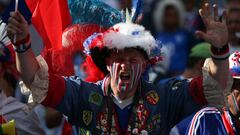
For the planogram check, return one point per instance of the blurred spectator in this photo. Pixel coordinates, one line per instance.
(193, 20)
(175, 40)
(199, 53)
(8, 71)
(7, 60)
(78, 59)
(148, 8)
(10, 107)
(233, 23)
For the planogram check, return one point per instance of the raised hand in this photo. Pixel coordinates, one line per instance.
(17, 25)
(216, 30)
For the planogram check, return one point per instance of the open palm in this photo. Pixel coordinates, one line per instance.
(216, 31)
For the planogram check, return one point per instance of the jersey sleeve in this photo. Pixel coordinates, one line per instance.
(71, 96)
(203, 120)
(201, 123)
(78, 97)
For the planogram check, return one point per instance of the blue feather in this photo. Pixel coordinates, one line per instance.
(94, 12)
(138, 10)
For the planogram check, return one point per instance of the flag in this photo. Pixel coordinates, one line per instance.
(50, 17)
(8, 128)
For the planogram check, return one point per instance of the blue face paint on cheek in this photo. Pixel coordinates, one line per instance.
(114, 72)
(135, 74)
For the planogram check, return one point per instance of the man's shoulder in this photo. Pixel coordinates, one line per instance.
(173, 83)
(85, 88)
(78, 81)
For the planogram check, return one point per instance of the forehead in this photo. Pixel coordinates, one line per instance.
(129, 52)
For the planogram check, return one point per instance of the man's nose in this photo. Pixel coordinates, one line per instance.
(125, 65)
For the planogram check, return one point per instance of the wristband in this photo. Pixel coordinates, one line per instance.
(220, 53)
(23, 41)
(22, 45)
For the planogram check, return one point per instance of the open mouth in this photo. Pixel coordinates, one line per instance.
(125, 76)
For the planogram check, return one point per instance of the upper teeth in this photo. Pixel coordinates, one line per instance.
(125, 74)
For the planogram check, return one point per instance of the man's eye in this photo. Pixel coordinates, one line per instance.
(118, 60)
(134, 61)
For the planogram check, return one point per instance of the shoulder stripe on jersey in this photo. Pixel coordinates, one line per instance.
(196, 119)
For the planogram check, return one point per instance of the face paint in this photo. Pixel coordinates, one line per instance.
(114, 72)
(122, 86)
(135, 74)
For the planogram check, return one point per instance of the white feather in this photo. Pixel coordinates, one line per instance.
(125, 38)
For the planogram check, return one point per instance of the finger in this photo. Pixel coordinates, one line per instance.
(14, 15)
(215, 12)
(22, 19)
(13, 21)
(203, 11)
(11, 31)
(224, 17)
(202, 35)
(208, 10)
(205, 20)
(14, 27)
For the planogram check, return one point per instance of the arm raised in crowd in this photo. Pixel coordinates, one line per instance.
(217, 35)
(26, 62)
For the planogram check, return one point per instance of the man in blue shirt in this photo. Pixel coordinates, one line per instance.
(123, 102)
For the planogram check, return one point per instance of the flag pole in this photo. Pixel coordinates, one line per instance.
(16, 9)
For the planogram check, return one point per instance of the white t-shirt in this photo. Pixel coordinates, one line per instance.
(27, 122)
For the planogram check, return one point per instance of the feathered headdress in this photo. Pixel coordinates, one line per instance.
(107, 29)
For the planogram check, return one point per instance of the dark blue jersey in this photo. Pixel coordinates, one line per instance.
(90, 107)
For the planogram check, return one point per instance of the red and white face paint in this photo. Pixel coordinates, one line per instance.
(126, 80)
